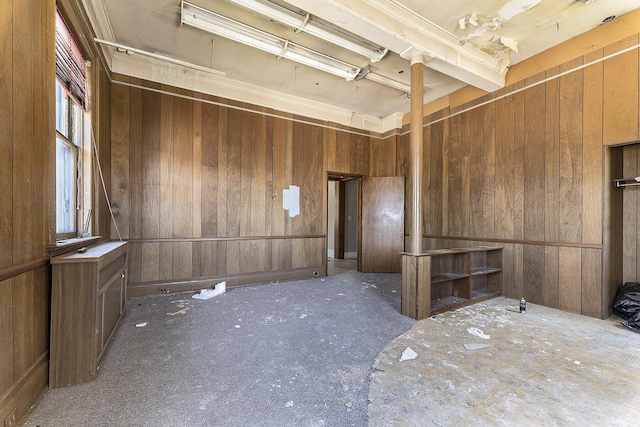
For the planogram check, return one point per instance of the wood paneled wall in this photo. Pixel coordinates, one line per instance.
(631, 218)
(197, 186)
(26, 88)
(27, 182)
(526, 171)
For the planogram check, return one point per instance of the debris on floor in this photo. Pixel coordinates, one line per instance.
(478, 333)
(205, 294)
(408, 354)
(472, 347)
(141, 325)
(179, 310)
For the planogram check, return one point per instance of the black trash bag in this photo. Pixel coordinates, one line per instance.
(633, 323)
(627, 301)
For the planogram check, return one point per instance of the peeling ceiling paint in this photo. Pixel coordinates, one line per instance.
(516, 7)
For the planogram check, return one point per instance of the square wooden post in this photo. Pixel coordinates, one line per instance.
(416, 286)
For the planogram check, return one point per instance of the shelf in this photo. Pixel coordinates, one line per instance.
(484, 270)
(445, 277)
(482, 294)
(445, 304)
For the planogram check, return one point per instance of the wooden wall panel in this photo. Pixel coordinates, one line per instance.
(505, 171)
(6, 134)
(570, 279)
(541, 187)
(620, 115)
(209, 169)
(212, 177)
(552, 155)
(630, 201)
(489, 167)
(135, 160)
(453, 161)
(150, 166)
(592, 159)
(570, 161)
(474, 131)
(534, 167)
(120, 160)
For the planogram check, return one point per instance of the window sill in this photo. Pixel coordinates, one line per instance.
(67, 245)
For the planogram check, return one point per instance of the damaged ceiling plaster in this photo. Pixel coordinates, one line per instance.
(486, 32)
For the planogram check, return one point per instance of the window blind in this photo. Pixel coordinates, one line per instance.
(70, 64)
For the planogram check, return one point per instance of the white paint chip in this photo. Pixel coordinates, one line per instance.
(473, 347)
(516, 7)
(141, 325)
(478, 333)
(291, 200)
(408, 354)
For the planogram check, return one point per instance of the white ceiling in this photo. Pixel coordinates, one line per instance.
(454, 57)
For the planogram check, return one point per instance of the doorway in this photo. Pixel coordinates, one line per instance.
(342, 223)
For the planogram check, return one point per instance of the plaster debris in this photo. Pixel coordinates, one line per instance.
(426, 345)
(478, 333)
(204, 294)
(289, 404)
(473, 347)
(141, 325)
(408, 354)
(178, 310)
(510, 43)
(516, 7)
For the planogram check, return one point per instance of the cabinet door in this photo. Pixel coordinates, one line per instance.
(112, 306)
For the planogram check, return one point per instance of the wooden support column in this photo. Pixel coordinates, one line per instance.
(416, 289)
(415, 147)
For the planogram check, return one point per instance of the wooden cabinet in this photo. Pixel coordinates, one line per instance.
(451, 278)
(88, 299)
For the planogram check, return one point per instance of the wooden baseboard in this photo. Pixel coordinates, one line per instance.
(142, 289)
(21, 399)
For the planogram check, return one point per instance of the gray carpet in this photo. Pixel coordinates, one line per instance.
(289, 354)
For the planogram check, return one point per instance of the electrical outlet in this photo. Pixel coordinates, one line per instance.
(315, 273)
(164, 290)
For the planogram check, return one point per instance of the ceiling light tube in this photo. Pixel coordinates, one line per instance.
(303, 23)
(214, 23)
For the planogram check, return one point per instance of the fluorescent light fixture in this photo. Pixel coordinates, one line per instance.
(214, 23)
(366, 73)
(131, 50)
(305, 23)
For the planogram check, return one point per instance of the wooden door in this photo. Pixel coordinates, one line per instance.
(382, 224)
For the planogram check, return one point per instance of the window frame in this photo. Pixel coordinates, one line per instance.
(75, 134)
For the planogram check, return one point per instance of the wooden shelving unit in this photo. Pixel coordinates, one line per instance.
(454, 278)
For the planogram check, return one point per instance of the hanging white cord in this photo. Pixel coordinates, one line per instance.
(104, 188)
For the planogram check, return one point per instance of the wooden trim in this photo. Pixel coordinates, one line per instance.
(20, 400)
(17, 270)
(520, 242)
(222, 239)
(142, 289)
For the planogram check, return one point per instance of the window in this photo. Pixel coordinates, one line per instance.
(72, 142)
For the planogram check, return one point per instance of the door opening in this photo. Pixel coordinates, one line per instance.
(342, 224)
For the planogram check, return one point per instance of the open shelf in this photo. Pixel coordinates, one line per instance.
(453, 278)
(445, 277)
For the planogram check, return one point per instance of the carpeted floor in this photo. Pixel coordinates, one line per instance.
(289, 354)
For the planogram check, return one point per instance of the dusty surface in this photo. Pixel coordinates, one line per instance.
(545, 367)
